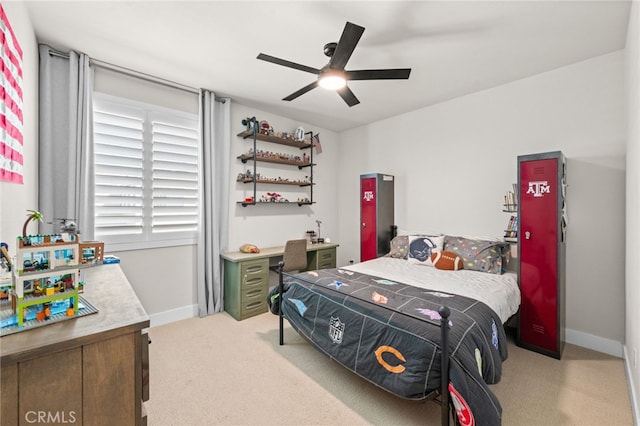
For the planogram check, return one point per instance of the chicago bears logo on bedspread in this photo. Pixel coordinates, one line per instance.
(396, 353)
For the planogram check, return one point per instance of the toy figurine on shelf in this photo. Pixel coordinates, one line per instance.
(247, 176)
(273, 197)
(266, 129)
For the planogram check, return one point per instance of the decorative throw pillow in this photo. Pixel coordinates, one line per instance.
(478, 255)
(446, 260)
(422, 246)
(399, 247)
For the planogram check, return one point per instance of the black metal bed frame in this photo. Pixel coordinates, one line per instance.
(444, 350)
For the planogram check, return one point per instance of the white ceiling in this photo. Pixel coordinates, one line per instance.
(453, 47)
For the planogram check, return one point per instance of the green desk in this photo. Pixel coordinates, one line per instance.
(246, 276)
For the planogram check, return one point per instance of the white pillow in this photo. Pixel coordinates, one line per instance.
(422, 246)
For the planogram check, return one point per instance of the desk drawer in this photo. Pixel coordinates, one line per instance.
(326, 259)
(253, 302)
(254, 274)
(322, 259)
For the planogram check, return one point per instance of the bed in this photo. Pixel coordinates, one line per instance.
(417, 331)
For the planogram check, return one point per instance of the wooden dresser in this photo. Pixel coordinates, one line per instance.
(91, 370)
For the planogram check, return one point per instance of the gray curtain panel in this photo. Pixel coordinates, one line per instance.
(213, 235)
(66, 177)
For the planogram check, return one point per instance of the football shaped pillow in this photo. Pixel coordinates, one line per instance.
(249, 248)
(446, 260)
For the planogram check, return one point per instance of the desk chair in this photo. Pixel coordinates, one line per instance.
(295, 256)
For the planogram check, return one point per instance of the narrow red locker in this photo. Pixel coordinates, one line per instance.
(376, 215)
(541, 185)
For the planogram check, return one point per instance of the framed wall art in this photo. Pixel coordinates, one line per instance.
(11, 140)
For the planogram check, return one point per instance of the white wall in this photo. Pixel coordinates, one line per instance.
(16, 199)
(454, 161)
(632, 86)
(164, 280)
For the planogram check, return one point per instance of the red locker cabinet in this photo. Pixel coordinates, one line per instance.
(376, 215)
(541, 250)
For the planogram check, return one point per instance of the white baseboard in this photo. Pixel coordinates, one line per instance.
(633, 394)
(596, 343)
(172, 315)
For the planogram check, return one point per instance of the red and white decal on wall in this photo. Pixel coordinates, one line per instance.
(539, 188)
(11, 141)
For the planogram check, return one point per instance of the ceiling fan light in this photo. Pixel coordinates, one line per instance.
(333, 81)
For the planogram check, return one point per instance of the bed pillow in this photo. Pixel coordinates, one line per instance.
(422, 246)
(399, 247)
(478, 255)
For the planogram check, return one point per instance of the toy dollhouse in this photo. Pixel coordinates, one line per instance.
(47, 279)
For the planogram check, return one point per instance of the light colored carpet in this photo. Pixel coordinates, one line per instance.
(219, 371)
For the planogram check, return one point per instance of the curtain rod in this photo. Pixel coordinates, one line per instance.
(143, 76)
(137, 74)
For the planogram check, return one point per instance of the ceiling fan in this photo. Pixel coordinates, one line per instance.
(333, 76)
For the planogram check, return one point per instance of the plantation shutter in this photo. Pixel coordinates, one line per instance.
(146, 173)
(118, 146)
(175, 176)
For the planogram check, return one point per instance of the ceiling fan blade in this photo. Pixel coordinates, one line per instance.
(348, 96)
(348, 41)
(302, 91)
(385, 74)
(286, 63)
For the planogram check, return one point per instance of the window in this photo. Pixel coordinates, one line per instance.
(146, 174)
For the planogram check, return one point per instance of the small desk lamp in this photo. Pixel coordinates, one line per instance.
(320, 240)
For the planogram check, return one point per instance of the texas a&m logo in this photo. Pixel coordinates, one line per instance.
(539, 188)
(368, 195)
